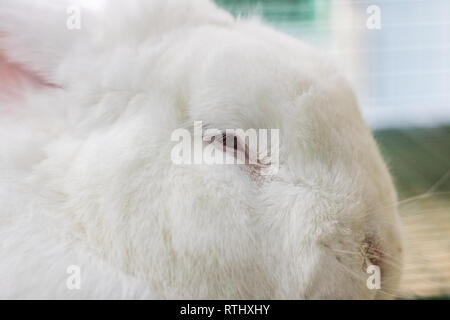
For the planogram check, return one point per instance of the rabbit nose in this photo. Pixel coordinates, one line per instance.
(372, 252)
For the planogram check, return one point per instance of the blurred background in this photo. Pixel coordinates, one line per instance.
(396, 55)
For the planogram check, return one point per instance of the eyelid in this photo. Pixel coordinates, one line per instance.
(220, 137)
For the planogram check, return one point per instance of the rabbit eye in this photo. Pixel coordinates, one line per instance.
(241, 146)
(224, 140)
(230, 141)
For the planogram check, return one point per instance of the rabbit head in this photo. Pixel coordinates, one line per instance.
(130, 75)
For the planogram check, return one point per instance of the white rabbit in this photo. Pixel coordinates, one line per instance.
(86, 176)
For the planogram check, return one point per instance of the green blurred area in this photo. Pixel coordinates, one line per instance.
(278, 10)
(289, 16)
(419, 159)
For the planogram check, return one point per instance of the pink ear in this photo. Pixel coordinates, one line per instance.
(14, 78)
(34, 39)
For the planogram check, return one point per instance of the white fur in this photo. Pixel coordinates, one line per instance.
(86, 176)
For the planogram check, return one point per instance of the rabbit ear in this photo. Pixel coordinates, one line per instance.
(13, 78)
(38, 34)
